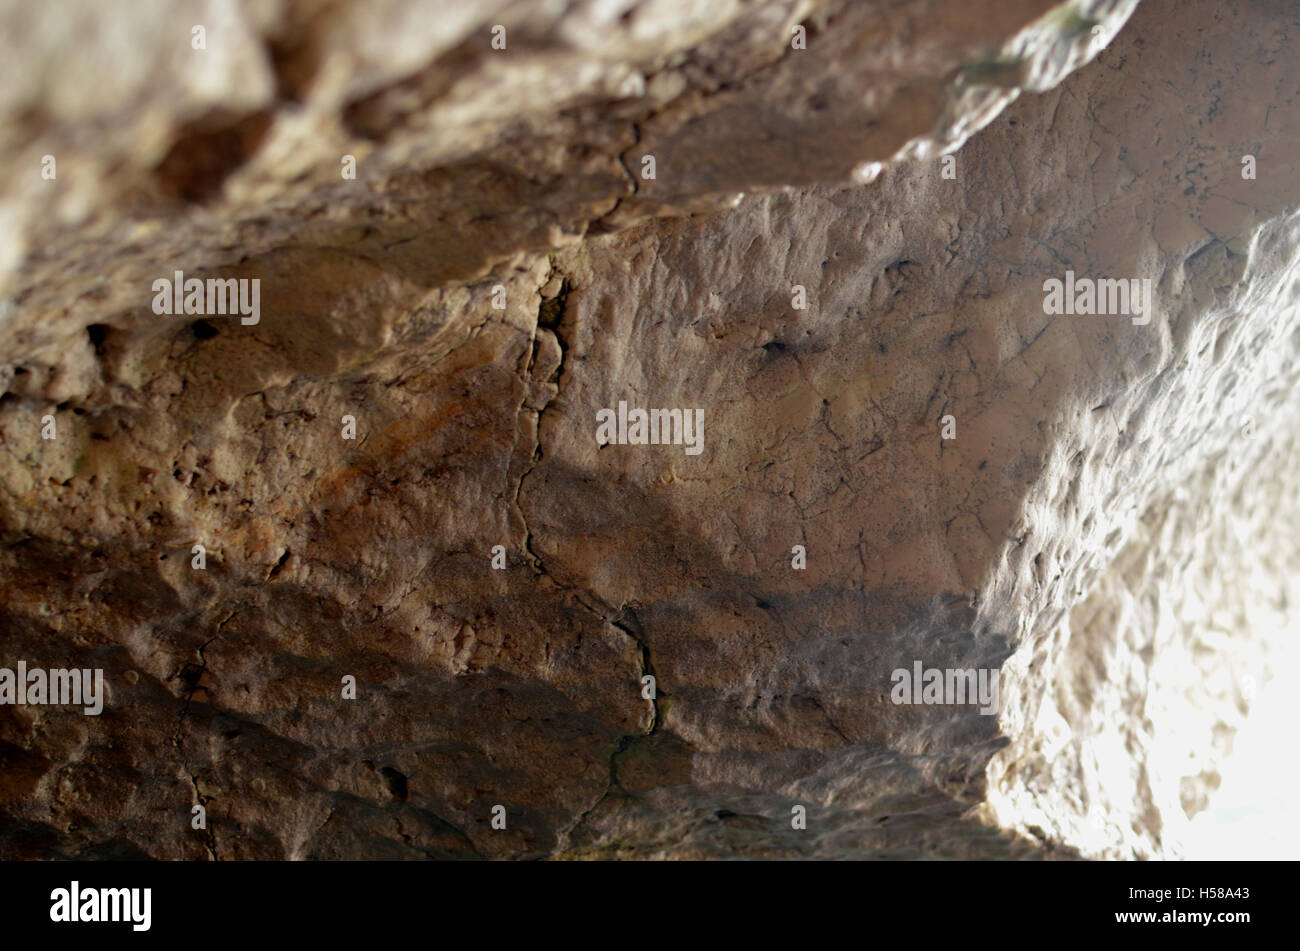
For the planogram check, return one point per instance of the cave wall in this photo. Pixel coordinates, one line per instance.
(1110, 529)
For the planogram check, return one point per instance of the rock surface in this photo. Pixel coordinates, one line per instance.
(1111, 528)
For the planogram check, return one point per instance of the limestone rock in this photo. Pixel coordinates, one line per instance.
(1111, 529)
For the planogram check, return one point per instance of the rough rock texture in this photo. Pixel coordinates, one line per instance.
(1111, 528)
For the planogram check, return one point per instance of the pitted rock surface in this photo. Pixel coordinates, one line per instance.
(1111, 529)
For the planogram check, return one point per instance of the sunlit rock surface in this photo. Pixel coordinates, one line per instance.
(1111, 529)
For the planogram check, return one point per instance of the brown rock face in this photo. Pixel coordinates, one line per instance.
(429, 588)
